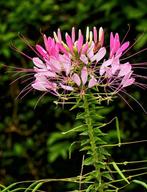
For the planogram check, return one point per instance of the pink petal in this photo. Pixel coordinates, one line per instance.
(115, 68)
(84, 75)
(80, 43)
(48, 74)
(39, 86)
(84, 48)
(108, 72)
(92, 82)
(84, 59)
(41, 50)
(124, 69)
(46, 42)
(39, 63)
(41, 83)
(128, 82)
(117, 42)
(66, 87)
(104, 66)
(99, 55)
(44, 72)
(90, 53)
(66, 63)
(123, 48)
(62, 49)
(76, 79)
(55, 65)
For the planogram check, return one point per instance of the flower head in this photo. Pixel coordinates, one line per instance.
(78, 64)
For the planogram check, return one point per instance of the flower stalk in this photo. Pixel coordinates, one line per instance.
(88, 121)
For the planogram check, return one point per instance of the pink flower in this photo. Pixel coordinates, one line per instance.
(81, 63)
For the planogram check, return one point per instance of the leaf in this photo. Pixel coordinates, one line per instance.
(76, 105)
(88, 161)
(37, 187)
(140, 183)
(75, 129)
(120, 172)
(118, 131)
(71, 148)
(108, 176)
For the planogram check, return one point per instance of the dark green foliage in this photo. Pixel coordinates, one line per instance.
(30, 143)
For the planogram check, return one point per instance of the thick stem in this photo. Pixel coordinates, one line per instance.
(88, 121)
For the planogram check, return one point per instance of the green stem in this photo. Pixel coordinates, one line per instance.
(88, 121)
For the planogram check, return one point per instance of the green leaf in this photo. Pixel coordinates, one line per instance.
(37, 187)
(140, 183)
(88, 161)
(120, 172)
(118, 131)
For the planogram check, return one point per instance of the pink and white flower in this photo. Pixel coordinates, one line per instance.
(76, 64)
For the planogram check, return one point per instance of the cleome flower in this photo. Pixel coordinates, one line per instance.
(68, 66)
(77, 64)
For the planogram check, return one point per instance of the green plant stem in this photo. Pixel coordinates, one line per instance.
(88, 121)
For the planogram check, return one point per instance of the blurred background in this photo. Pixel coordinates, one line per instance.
(31, 143)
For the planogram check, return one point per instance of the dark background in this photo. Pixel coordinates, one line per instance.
(31, 146)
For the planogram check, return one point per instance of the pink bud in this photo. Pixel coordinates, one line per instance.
(80, 43)
(101, 36)
(69, 42)
(95, 34)
(73, 34)
(59, 35)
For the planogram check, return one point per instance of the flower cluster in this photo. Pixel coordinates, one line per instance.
(77, 64)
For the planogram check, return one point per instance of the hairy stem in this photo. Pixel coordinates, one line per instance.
(88, 121)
